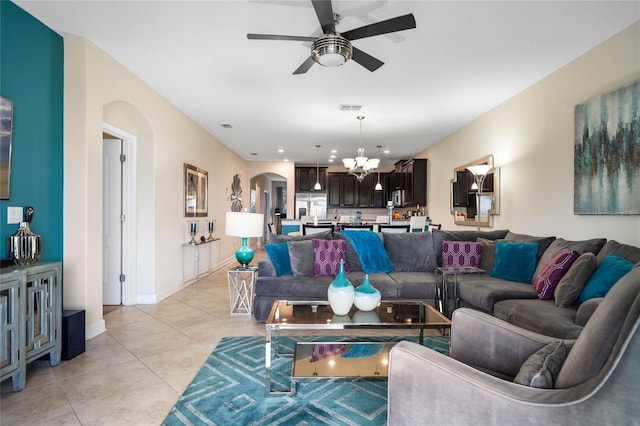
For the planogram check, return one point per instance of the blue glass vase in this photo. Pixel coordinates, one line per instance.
(341, 293)
(367, 296)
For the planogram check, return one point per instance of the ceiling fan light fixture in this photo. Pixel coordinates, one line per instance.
(331, 50)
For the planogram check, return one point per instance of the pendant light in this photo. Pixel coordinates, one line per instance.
(317, 186)
(378, 185)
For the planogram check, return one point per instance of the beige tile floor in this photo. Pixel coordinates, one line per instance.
(135, 372)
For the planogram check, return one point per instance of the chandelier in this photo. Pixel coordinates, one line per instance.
(360, 166)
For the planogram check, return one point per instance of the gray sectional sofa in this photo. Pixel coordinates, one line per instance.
(415, 257)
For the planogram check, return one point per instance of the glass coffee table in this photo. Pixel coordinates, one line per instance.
(317, 316)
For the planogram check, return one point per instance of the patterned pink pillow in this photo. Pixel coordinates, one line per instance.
(327, 350)
(327, 256)
(548, 278)
(461, 253)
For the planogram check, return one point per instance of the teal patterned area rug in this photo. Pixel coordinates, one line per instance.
(230, 389)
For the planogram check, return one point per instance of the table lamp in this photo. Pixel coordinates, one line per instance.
(244, 225)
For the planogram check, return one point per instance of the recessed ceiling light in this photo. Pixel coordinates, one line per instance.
(331, 160)
(281, 150)
(386, 151)
(286, 159)
(333, 151)
(227, 126)
(332, 156)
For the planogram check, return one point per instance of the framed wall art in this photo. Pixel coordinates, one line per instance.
(607, 153)
(196, 192)
(6, 131)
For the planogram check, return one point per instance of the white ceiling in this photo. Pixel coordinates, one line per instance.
(463, 59)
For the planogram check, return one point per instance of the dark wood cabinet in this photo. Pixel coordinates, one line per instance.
(461, 189)
(306, 179)
(367, 194)
(342, 190)
(411, 176)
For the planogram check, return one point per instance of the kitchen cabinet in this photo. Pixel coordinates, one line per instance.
(306, 179)
(411, 175)
(368, 196)
(342, 190)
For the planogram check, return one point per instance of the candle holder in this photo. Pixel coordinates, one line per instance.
(193, 230)
(212, 227)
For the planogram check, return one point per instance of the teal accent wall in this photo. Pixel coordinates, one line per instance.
(32, 76)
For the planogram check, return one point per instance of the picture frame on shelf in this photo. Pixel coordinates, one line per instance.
(6, 132)
(196, 191)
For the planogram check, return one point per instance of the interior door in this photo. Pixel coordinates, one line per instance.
(112, 225)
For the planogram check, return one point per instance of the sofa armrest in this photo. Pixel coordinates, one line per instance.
(428, 387)
(586, 309)
(266, 268)
(488, 343)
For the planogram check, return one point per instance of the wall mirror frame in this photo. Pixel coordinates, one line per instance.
(463, 199)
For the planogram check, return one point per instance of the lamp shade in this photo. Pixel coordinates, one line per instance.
(242, 224)
(480, 169)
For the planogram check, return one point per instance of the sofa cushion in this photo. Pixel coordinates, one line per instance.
(289, 287)
(631, 253)
(328, 235)
(461, 253)
(541, 316)
(594, 246)
(546, 281)
(482, 291)
(410, 252)
(439, 236)
(301, 257)
(353, 260)
(609, 271)
(488, 256)
(570, 286)
(543, 242)
(515, 261)
(327, 257)
(279, 256)
(542, 367)
(415, 285)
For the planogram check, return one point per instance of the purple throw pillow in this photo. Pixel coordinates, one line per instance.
(327, 256)
(548, 278)
(461, 253)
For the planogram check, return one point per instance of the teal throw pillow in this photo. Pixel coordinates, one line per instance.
(610, 270)
(515, 261)
(279, 256)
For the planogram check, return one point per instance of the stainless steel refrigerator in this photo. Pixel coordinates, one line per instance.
(311, 204)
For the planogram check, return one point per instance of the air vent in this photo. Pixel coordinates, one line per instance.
(226, 126)
(349, 107)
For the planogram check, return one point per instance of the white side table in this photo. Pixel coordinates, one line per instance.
(241, 288)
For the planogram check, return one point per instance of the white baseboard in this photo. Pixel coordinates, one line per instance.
(95, 329)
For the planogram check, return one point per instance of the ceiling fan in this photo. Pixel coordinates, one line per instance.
(332, 48)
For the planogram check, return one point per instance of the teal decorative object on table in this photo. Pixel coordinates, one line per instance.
(367, 296)
(341, 293)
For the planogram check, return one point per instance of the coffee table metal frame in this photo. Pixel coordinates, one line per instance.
(317, 315)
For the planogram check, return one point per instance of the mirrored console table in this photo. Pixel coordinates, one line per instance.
(31, 316)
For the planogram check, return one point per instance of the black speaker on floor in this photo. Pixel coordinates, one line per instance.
(72, 333)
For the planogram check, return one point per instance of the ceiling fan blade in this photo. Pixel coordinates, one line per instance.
(305, 66)
(279, 37)
(324, 11)
(366, 60)
(400, 23)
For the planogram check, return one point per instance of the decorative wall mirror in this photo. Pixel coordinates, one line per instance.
(465, 195)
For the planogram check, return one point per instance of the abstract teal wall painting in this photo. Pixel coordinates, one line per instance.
(607, 153)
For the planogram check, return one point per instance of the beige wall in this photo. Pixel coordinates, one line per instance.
(97, 90)
(531, 137)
